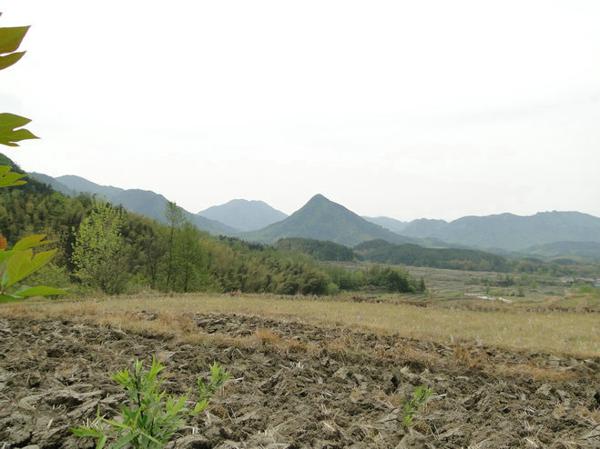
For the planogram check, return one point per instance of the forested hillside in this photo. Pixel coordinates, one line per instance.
(320, 250)
(454, 258)
(383, 252)
(104, 247)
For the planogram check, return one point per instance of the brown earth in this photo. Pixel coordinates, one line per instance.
(296, 386)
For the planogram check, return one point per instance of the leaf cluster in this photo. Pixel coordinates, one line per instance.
(419, 398)
(18, 263)
(151, 416)
(11, 125)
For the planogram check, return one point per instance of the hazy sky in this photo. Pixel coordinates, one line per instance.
(400, 108)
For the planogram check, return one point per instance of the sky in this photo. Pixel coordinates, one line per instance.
(406, 109)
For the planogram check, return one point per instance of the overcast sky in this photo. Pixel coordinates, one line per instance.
(403, 108)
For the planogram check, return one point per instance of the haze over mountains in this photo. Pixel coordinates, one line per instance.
(244, 215)
(509, 232)
(392, 224)
(546, 234)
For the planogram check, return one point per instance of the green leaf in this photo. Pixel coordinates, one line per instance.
(40, 290)
(9, 134)
(123, 441)
(6, 298)
(11, 38)
(31, 241)
(200, 407)
(86, 432)
(4, 255)
(12, 120)
(101, 442)
(23, 263)
(89, 432)
(9, 178)
(8, 60)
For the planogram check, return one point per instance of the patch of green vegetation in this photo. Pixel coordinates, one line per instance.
(587, 289)
(375, 277)
(151, 416)
(415, 255)
(320, 250)
(419, 398)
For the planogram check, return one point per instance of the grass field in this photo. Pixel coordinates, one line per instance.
(557, 332)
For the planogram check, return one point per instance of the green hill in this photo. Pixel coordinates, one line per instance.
(320, 250)
(244, 215)
(322, 219)
(415, 255)
(576, 250)
(143, 202)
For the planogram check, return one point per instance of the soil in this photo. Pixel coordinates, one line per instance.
(346, 390)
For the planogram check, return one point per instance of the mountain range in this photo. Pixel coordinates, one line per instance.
(143, 202)
(545, 234)
(510, 232)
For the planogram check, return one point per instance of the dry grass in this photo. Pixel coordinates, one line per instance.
(567, 333)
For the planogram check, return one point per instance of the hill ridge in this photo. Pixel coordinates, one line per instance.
(141, 201)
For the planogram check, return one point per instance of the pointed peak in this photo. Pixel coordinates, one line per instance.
(319, 198)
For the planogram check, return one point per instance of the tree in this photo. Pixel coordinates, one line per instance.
(175, 219)
(189, 259)
(99, 254)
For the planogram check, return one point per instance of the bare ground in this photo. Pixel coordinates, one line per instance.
(297, 385)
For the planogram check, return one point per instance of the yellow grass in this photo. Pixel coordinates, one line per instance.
(564, 332)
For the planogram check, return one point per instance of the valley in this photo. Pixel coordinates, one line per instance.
(300, 225)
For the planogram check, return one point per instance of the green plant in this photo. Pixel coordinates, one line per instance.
(151, 416)
(419, 398)
(206, 390)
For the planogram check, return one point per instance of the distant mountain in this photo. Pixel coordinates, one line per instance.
(82, 185)
(322, 219)
(244, 215)
(425, 227)
(510, 232)
(392, 224)
(143, 202)
(576, 250)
